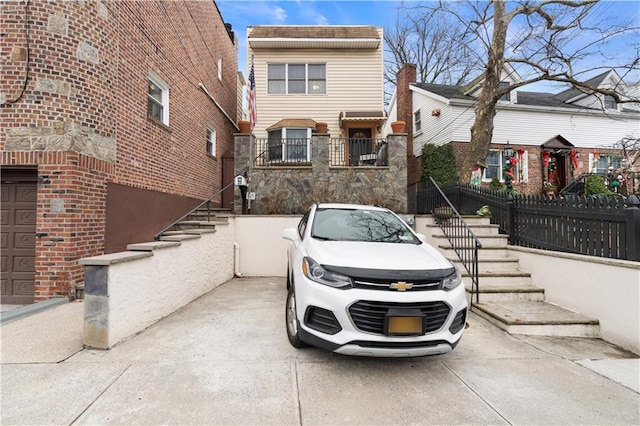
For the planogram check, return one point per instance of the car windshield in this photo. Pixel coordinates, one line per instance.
(361, 225)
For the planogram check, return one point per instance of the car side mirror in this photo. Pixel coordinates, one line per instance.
(290, 234)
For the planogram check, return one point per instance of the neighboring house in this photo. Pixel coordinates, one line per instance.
(117, 119)
(332, 75)
(556, 137)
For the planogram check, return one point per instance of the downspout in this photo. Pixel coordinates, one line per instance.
(236, 259)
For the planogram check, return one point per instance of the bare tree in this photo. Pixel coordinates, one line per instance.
(432, 40)
(544, 40)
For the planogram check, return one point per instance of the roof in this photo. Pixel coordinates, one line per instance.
(314, 37)
(315, 31)
(573, 92)
(293, 122)
(524, 98)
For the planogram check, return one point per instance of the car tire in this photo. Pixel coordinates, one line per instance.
(291, 319)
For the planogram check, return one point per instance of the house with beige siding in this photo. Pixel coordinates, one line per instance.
(556, 136)
(320, 98)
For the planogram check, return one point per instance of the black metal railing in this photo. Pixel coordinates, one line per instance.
(358, 152)
(362, 152)
(289, 151)
(462, 239)
(602, 226)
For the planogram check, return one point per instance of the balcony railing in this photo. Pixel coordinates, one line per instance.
(365, 152)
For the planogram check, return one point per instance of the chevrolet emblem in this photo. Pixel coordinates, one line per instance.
(401, 286)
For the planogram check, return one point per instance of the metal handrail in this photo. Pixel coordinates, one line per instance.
(462, 239)
(207, 202)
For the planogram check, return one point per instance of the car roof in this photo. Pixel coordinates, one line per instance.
(349, 206)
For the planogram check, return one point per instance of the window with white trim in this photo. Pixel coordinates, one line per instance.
(211, 141)
(503, 85)
(496, 162)
(296, 79)
(157, 99)
(600, 164)
(610, 102)
(289, 144)
(220, 68)
(417, 121)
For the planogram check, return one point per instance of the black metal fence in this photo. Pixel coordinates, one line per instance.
(342, 152)
(603, 226)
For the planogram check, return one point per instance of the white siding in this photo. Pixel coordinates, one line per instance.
(354, 83)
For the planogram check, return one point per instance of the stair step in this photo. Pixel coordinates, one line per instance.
(194, 224)
(500, 278)
(469, 220)
(489, 264)
(478, 230)
(483, 253)
(513, 293)
(487, 241)
(538, 319)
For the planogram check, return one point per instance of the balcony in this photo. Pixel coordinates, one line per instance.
(296, 152)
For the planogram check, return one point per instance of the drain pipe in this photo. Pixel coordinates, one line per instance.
(236, 259)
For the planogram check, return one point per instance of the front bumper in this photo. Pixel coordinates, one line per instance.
(353, 337)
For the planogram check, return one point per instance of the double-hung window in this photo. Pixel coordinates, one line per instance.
(211, 141)
(157, 99)
(417, 121)
(604, 164)
(610, 102)
(290, 145)
(296, 79)
(496, 163)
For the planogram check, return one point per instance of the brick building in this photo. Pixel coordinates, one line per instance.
(117, 118)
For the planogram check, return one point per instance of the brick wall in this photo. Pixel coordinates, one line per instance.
(82, 117)
(404, 78)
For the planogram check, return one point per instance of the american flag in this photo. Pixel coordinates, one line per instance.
(251, 98)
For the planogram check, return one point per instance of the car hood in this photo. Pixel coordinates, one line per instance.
(386, 256)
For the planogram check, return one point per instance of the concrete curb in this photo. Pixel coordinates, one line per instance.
(28, 310)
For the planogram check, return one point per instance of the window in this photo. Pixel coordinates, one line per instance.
(211, 141)
(610, 102)
(157, 99)
(600, 164)
(496, 162)
(506, 96)
(296, 79)
(220, 68)
(289, 144)
(417, 121)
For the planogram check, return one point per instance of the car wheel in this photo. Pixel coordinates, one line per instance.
(293, 326)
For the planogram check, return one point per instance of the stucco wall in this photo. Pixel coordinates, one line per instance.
(606, 289)
(126, 292)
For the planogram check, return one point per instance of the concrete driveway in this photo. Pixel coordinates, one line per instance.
(225, 359)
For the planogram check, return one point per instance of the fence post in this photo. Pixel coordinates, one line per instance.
(511, 219)
(632, 226)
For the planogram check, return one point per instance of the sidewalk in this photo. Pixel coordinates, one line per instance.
(225, 359)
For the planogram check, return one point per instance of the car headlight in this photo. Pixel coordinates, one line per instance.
(315, 272)
(452, 281)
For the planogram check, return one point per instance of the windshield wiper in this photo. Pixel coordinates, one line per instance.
(318, 237)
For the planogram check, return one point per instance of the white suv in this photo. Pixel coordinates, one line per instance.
(362, 282)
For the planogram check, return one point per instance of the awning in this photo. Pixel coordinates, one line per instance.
(293, 122)
(376, 116)
(557, 142)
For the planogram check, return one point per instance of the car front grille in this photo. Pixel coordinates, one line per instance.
(416, 285)
(369, 316)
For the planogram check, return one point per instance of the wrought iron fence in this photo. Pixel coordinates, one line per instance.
(342, 152)
(603, 226)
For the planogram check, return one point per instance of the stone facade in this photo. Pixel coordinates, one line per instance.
(291, 190)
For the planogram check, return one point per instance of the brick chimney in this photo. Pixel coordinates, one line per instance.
(405, 76)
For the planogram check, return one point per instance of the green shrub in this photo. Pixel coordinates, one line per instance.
(496, 184)
(439, 162)
(595, 185)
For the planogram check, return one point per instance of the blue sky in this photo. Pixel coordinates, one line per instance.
(380, 13)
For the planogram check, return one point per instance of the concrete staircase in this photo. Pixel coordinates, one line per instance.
(507, 297)
(198, 222)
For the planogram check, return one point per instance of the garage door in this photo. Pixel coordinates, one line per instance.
(18, 238)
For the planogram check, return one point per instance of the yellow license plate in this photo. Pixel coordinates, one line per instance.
(405, 325)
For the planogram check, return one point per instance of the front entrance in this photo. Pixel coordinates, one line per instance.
(19, 197)
(360, 145)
